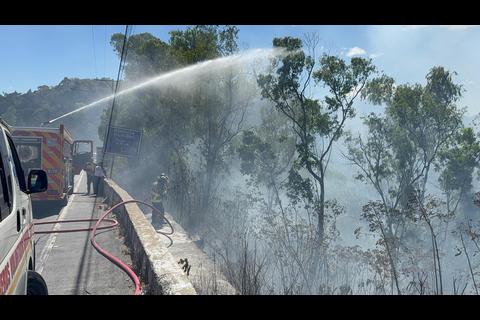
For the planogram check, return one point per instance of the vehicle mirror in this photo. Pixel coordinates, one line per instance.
(37, 181)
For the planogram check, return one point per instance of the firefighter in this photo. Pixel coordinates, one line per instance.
(98, 180)
(89, 169)
(158, 196)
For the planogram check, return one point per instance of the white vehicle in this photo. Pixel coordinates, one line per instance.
(17, 248)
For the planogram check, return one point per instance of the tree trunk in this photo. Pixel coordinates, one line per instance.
(209, 182)
(320, 178)
(321, 213)
(391, 260)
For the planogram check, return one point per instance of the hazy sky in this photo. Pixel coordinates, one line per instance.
(43, 55)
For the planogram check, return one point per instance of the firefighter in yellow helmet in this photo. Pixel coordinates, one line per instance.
(158, 196)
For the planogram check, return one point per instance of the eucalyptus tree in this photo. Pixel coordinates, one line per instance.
(400, 149)
(316, 124)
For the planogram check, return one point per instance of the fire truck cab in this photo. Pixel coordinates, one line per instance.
(17, 248)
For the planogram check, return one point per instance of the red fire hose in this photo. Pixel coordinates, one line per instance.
(97, 247)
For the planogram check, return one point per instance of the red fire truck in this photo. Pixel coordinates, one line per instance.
(56, 152)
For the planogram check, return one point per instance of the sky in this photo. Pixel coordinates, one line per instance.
(43, 55)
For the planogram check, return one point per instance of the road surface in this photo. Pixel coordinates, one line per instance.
(67, 261)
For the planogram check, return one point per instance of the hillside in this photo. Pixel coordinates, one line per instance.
(34, 107)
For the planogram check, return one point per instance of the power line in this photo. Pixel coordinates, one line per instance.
(94, 54)
(120, 69)
(122, 65)
(105, 53)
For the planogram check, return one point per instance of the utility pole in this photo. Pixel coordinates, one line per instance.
(120, 67)
(105, 141)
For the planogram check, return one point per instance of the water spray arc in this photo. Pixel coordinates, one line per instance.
(199, 67)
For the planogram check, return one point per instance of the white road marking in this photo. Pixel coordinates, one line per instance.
(53, 236)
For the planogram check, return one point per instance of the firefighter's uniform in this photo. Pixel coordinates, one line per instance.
(159, 192)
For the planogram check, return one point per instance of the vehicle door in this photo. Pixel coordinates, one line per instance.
(23, 212)
(15, 214)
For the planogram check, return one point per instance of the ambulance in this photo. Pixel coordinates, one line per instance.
(17, 248)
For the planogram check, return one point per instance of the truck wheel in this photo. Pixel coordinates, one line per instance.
(36, 285)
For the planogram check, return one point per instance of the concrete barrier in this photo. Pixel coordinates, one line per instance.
(156, 266)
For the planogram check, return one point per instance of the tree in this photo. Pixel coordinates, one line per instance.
(457, 164)
(316, 124)
(266, 153)
(203, 112)
(164, 113)
(146, 56)
(200, 43)
(221, 98)
(401, 147)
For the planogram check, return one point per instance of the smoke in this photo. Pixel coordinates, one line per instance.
(236, 207)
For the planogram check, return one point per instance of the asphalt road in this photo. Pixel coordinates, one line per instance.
(67, 261)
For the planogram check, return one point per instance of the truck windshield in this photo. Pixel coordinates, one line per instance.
(83, 147)
(29, 152)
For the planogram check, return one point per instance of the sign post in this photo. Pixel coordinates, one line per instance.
(124, 142)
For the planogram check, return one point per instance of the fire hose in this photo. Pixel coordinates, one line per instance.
(113, 224)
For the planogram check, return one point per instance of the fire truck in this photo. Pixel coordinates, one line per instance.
(55, 151)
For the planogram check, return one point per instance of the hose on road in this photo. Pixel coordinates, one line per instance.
(113, 224)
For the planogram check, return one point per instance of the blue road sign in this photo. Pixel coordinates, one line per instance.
(124, 142)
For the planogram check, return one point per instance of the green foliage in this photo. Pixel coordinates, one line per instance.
(266, 151)
(299, 188)
(341, 79)
(458, 163)
(146, 55)
(374, 154)
(199, 117)
(419, 130)
(251, 144)
(203, 43)
(379, 90)
(402, 145)
(312, 120)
